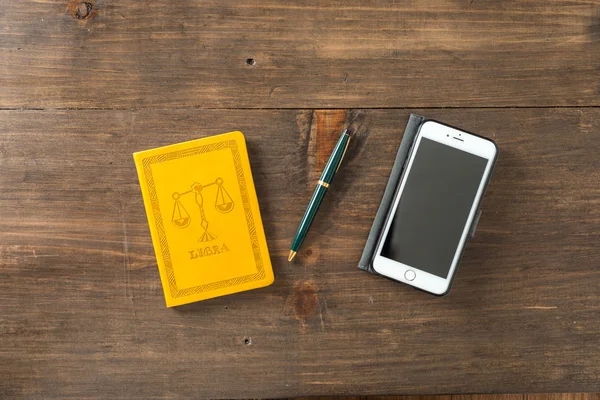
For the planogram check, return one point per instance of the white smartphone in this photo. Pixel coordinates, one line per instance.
(437, 199)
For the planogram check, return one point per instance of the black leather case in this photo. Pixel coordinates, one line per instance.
(410, 132)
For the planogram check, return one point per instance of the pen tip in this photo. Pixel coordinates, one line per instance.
(292, 255)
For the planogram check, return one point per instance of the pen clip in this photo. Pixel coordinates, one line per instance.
(344, 153)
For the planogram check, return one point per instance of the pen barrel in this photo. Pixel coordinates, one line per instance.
(336, 158)
(309, 216)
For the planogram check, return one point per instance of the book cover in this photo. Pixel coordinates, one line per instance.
(204, 218)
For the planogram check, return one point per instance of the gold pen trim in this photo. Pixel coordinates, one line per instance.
(344, 154)
(324, 184)
(292, 255)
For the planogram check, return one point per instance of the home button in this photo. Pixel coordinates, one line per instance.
(410, 275)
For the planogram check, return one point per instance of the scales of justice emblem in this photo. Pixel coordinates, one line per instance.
(182, 219)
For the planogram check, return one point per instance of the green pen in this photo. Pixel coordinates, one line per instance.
(332, 166)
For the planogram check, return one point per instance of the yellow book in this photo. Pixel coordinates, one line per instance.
(204, 218)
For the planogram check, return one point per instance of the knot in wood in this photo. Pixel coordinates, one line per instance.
(81, 10)
(84, 9)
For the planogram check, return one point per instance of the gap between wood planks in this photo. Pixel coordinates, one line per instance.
(289, 108)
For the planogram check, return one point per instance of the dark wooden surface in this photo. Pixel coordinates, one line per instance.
(83, 312)
(82, 87)
(308, 53)
(551, 396)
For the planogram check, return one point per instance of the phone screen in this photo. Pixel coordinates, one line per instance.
(434, 207)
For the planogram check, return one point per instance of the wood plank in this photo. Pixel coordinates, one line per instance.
(488, 397)
(546, 396)
(81, 308)
(563, 396)
(307, 54)
(330, 397)
(423, 397)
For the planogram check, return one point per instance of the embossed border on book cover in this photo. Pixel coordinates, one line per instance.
(162, 238)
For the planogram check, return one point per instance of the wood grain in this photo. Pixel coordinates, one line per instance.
(307, 53)
(563, 396)
(423, 397)
(489, 397)
(82, 313)
(545, 396)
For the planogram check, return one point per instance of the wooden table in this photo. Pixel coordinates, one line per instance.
(85, 84)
